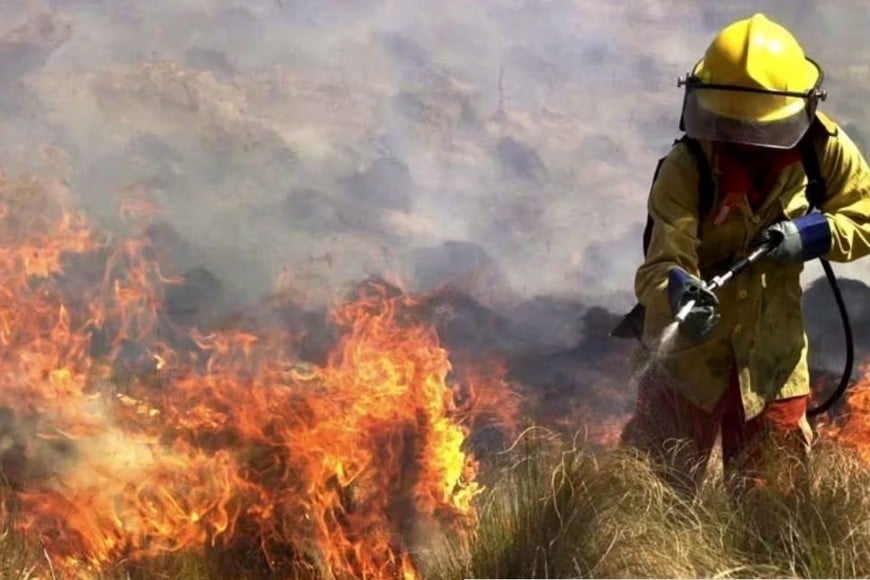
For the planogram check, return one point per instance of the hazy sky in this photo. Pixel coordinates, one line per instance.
(348, 138)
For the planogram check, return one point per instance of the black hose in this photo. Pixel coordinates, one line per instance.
(826, 405)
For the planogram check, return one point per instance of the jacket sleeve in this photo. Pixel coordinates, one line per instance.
(847, 205)
(673, 208)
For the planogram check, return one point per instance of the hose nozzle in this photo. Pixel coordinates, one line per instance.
(684, 311)
(722, 279)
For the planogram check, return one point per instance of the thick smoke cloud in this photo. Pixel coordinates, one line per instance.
(504, 147)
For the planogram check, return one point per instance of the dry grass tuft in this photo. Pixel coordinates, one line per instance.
(560, 512)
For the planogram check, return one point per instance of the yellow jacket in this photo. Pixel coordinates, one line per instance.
(761, 329)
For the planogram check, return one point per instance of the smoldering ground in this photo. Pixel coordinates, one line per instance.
(501, 148)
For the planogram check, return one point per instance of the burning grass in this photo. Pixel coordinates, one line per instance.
(136, 444)
(128, 437)
(555, 510)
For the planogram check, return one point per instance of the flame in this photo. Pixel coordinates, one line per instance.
(142, 438)
(851, 425)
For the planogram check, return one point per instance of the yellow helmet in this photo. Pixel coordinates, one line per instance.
(754, 86)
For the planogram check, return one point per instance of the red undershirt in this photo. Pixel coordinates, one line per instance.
(752, 174)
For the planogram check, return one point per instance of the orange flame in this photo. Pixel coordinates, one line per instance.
(229, 438)
(851, 427)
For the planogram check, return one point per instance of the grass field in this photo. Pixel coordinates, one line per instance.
(555, 510)
(560, 511)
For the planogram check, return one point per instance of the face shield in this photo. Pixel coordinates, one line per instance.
(748, 115)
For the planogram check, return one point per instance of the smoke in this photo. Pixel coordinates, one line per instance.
(825, 331)
(328, 141)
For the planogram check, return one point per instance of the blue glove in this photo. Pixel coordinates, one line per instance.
(798, 240)
(704, 315)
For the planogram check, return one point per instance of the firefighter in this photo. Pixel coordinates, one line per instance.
(737, 367)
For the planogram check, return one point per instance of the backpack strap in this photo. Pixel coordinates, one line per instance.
(706, 185)
(817, 190)
(647, 230)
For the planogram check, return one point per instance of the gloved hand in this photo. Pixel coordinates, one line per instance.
(704, 315)
(798, 240)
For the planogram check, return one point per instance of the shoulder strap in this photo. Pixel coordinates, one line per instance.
(706, 186)
(647, 230)
(816, 186)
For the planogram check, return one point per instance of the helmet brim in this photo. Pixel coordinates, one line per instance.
(702, 123)
(749, 115)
